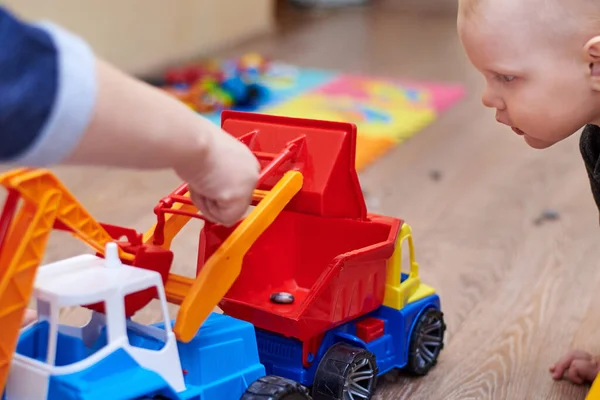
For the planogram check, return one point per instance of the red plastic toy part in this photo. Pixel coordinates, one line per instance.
(370, 329)
(154, 258)
(323, 261)
(327, 161)
(334, 269)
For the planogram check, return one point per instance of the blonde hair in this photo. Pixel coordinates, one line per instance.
(562, 15)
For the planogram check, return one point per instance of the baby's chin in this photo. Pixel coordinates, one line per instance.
(537, 144)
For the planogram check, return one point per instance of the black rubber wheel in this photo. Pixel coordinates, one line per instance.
(426, 342)
(275, 388)
(345, 372)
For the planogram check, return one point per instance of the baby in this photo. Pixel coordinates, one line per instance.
(60, 104)
(541, 64)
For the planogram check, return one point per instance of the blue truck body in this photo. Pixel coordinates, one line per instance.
(219, 363)
(283, 356)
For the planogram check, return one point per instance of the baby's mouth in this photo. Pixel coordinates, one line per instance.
(518, 131)
(515, 129)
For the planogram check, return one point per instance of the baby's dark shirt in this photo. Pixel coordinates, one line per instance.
(589, 145)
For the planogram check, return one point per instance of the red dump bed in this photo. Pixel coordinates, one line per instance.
(332, 260)
(326, 160)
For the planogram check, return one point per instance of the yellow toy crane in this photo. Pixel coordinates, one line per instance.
(48, 204)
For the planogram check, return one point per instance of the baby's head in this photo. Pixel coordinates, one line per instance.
(540, 60)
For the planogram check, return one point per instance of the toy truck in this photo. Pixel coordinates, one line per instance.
(325, 285)
(319, 282)
(112, 356)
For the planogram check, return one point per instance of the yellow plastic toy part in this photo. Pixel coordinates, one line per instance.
(594, 393)
(397, 293)
(198, 297)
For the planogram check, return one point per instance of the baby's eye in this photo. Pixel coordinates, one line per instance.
(506, 78)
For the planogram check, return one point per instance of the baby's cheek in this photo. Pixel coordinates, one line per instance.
(533, 108)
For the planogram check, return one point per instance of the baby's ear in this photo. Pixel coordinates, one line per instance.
(591, 54)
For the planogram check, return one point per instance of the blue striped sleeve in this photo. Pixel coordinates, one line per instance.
(47, 91)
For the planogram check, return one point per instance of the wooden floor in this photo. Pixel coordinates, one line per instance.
(516, 294)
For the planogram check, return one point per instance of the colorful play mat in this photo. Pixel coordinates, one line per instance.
(386, 111)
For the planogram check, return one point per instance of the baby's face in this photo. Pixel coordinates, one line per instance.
(538, 85)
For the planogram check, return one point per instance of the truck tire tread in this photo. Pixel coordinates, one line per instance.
(276, 388)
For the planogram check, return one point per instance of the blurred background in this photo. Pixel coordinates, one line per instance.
(376, 63)
(146, 36)
(507, 235)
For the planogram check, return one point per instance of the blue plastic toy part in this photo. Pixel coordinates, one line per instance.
(220, 363)
(246, 95)
(222, 360)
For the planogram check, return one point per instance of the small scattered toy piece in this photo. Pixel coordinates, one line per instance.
(253, 63)
(215, 86)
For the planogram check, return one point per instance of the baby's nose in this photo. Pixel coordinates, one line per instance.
(487, 100)
(492, 101)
